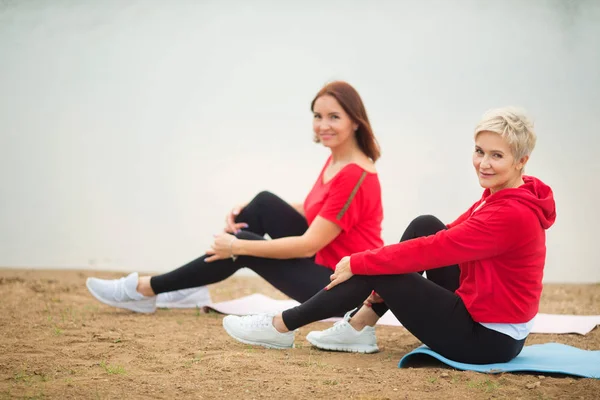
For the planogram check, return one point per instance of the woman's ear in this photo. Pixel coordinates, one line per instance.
(522, 162)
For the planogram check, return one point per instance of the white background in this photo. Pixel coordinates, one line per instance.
(129, 128)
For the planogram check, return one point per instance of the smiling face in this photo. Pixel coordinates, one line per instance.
(331, 124)
(495, 164)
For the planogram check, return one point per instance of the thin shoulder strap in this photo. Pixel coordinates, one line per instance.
(352, 194)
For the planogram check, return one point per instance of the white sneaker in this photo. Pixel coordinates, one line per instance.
(257, 330)
(121, 293)
(184, 298)
(343, 337)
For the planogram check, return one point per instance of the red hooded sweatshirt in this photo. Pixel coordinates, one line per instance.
(499, 245)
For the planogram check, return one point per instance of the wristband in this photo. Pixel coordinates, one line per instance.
(233, 257)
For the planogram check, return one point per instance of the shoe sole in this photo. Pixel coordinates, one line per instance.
(180, 305)
(267, 345)
(353, 348)
(121, 304)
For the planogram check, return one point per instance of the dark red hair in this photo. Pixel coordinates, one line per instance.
(352, 104)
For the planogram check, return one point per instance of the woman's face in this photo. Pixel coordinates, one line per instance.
(331, 124)
(495, 164)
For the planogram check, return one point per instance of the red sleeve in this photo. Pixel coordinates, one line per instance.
(341, 206)
(491, 231)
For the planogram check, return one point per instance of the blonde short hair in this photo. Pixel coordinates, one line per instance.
(513, 125)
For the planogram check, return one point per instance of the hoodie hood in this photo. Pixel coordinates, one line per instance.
(534, 194)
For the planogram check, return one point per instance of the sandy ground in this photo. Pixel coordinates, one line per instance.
(59, 342)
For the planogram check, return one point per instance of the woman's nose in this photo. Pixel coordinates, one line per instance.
(323, 126)
(485, 162)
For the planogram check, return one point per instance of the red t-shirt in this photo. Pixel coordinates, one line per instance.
(351, 200)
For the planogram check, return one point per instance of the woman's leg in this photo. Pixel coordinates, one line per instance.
(438, 317)
(298, 278)
(427, 225)
(265, 214)
(435, 315)
(447, 277)
(268, 214)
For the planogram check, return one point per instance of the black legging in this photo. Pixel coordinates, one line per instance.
(298, 278)
(428, 308)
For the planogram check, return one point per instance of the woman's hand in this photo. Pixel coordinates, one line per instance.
(342, 273)
(221, 248)
(230, 225)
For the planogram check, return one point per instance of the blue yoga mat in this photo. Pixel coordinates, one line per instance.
(552, 358)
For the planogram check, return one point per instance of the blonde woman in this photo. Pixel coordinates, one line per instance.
(491, 262)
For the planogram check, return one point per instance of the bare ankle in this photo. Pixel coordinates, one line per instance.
(144, 287)
(279, 325)
(364, 317)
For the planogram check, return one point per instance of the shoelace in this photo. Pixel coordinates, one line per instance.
(340, 324)
(257, 321)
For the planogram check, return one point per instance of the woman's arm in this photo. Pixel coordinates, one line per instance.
(339, 206)
(319, 234)
(492, 231)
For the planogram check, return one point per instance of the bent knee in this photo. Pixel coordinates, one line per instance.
(264, 196)
(425, 225)
(426, 219)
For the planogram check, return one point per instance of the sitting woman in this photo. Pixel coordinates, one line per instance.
(341, 215)
(481, 314)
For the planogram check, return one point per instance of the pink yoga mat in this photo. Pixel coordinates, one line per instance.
(544, 323)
